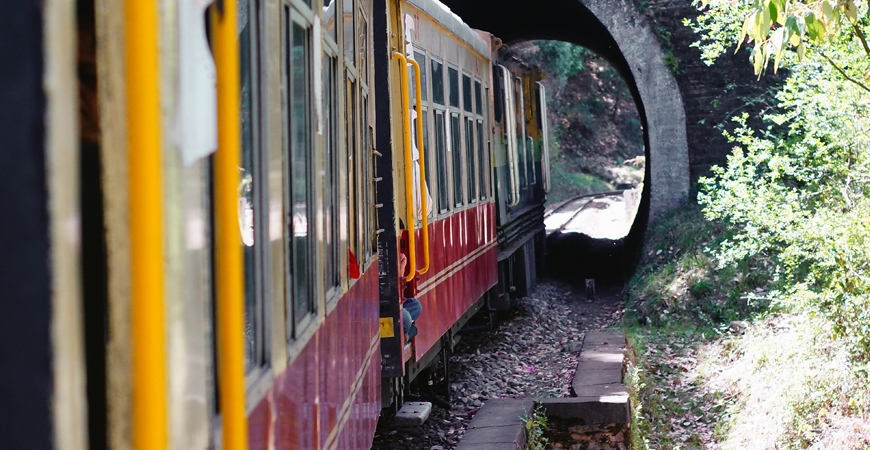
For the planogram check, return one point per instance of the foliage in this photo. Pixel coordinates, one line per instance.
(679, 284)
(774, 26)
(698, 378)
(535, 422)
(809, 213)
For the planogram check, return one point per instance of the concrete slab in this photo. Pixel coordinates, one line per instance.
(601, 339)
(600, 390)
(608, 375)
(497, 426)
(590, 412)
(501, 411)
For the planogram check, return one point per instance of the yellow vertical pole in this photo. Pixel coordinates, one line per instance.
(409, 176)
(229, 279)
(146, 225)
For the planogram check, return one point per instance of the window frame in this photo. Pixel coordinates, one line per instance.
(294, 14)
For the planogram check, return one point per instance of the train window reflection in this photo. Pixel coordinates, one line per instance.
(250, 187)
(466, 93)
(478, 97)
(453, 76)
(437, 82)
(421, 61)
(329, 19)
(362, 49)
(470, 160)
(484, 162)
(349, 34)
(441, 158)
(298, 75)
(456, 147)
(330, 171)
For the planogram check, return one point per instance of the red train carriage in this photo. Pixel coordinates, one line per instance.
(452, 244)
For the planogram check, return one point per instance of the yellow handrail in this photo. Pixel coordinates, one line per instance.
(409, 176)
(229, 281)
(147, 308)
(424, 202)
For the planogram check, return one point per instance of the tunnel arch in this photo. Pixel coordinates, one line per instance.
(615, 30)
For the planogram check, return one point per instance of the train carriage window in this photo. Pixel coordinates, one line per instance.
(478, 98)
(420, 57)
(437, 82)
(365, 182)
(466, 93)
(330, 171)
(299, 252)
(329, 18)
(441, 159)
(470, 160)
(362, 48)
(426, 148)
(351, 147)
(453, 76)
(483, 167)
(349, 34)
(521, 130)
(456, 148)
(251, 192)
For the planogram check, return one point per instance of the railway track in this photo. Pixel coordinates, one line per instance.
(611, 215)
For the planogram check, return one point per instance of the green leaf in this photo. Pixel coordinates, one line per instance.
(794, 36)
(815, 27)
(801, 50)
(757, 59)
(851, 11)
(778, 42)
(747, 25)
(828, 11)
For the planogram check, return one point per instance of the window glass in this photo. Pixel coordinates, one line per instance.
(483, 163)
(426, 148)
(249, 179)
(437, 82)
(441, 158)
(362, 49)
(466, 93)
(330, 172)
(352, 175)
(521, 131)
(456, 147)
(478, 97)
(349, 50)
(365, 181)
(470, 160)
(453, 75)
(329, 18)
(421, 61)
(299, 69)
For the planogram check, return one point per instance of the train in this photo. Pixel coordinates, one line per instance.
(242, 198)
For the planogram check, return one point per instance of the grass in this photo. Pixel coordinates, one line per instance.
(714, 365)
(567, 184)
(535, 422)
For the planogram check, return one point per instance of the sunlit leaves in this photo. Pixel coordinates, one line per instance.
(775, 27)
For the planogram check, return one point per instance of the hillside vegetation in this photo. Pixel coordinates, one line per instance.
(594, 125)
(749, 316)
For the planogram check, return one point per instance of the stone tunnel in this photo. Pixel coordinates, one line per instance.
(618, 32)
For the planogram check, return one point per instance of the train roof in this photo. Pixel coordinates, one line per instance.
(453, 23)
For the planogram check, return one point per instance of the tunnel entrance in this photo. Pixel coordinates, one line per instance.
(616, 31)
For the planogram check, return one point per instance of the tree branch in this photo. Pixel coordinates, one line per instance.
(863, 38)
(843, 73)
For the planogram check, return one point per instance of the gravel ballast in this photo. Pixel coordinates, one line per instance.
(532, 354)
